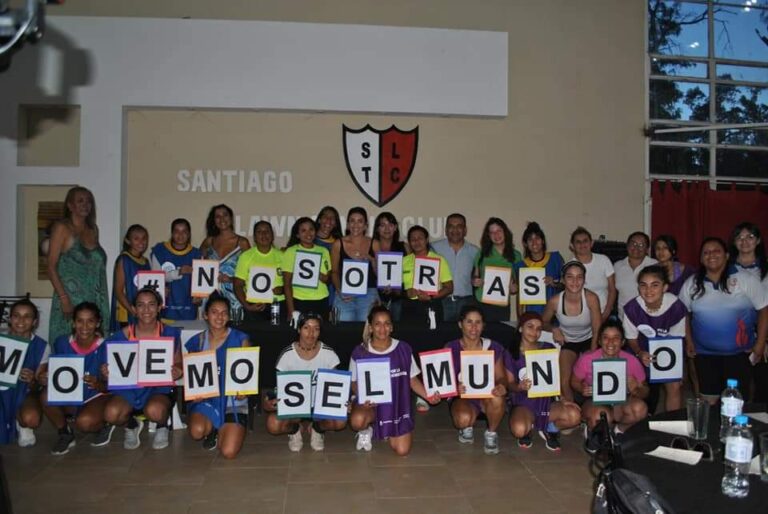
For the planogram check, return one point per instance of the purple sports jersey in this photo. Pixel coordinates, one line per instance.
(455, 347)
(661, 324)
(393, 419)
(538, 406)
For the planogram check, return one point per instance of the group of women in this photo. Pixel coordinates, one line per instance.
(720, 313)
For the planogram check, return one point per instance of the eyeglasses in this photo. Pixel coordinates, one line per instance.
(681, 443)
(747, 237)
(635, 244)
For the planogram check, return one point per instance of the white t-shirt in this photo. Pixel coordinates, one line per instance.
(289, 359)
(626, 280)
(599, 269)
(415, 371)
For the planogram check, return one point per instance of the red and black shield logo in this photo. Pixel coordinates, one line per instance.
(380, 162)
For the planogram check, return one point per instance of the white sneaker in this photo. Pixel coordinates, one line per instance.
(161, 438)
(467, 435)
(132, 440)
(26, 436)
(316, 440)
(295, 441)
(422, 405)
(365, 439)
(491, 446)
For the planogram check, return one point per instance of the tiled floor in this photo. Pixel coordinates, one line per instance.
(440, 476)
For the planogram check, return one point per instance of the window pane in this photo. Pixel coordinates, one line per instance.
(742, 163)
(678, 68)
(741, 104)
(677, 28)
(699, 136)
(746, 73)
(743, 137)
(675, 100)
(741, 33)
(679, 161)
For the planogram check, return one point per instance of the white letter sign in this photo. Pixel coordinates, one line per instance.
(426, 275)
(65, 379)
(294, 394)
(496, 285)
(205, 277)
(332, 394)
(123, 365)
(152, 279)
(155, 362)
(242, 370)
(667, 360)
(12, 353)
(389, 270)
(306, 269)
(373, 381)
(609, 381)
(532, 290)
(201, 377)
(354, 277)
(261, 280)
(438, 372)
(543, 368)
(477, 374)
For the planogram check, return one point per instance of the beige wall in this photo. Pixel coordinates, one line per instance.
(570, 152)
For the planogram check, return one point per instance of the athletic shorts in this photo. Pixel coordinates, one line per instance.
(578, 348)
(714, 370)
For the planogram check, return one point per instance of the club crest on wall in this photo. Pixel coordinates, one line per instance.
(380, 162)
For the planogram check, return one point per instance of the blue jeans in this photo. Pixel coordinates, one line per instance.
(356, 309)
(452, 306)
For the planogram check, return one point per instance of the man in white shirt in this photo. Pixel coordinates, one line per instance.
(460, 255)
(627, 269)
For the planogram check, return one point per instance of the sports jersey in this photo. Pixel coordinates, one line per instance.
(409, 264)
(668, 321)
(552, 264)
(392, 419)
(178, 298)
(289, 261)
(11, 399)
(137, 397)
(130, 266)
(216, 408)
(724, 323)
(538, 406)
(254, 257)
(94, 357)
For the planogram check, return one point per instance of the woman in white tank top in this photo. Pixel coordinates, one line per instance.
(577, 311)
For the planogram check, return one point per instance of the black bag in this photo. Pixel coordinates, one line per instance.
(620, 491)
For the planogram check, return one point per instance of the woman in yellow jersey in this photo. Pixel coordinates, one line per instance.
(127, 265)
(419, 303)
(309, 293)
(264, 254)
(327, 227)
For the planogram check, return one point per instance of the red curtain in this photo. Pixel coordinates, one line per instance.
(690, 211)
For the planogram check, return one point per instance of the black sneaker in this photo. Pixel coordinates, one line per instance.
(525, 441)
(211, 440)
(63, 444)
(103, 436)
(552, 440)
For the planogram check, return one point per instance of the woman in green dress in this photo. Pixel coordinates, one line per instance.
(76, 262)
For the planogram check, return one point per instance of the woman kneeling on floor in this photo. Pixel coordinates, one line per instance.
(546, 415)
(392, 421)
(624, 415)
(306, 354)
(219, 421)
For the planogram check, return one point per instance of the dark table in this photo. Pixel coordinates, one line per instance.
(343, 337)
(693, 489)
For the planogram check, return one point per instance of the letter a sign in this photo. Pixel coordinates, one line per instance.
(380, 162)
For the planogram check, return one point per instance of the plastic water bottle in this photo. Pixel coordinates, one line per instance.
(738, 454)
(274, 312)
(730, 406)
